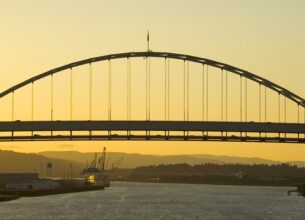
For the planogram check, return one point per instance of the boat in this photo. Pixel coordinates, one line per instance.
(95, 173)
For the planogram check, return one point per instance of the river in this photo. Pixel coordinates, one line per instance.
(125, 200)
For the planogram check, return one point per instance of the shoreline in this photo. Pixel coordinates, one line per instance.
(6, 198)
(204, 183)
(11, 195)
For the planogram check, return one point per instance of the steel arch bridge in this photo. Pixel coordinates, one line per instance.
(245, 130)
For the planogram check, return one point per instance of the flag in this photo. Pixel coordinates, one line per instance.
(148, 36)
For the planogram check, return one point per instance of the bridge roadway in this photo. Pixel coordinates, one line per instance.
(276, 132)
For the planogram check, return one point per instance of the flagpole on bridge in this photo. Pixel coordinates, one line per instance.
(147, 40)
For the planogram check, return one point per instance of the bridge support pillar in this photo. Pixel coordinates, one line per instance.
(90, 135)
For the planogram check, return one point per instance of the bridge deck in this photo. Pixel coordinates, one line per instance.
(151, 126)
(115, 137)
(243, 131)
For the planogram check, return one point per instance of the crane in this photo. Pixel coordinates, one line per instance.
(101, 161)
(117, 163)
(95, 172)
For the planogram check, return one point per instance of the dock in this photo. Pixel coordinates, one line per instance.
(300, 190)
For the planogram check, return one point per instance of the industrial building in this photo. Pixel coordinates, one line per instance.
(25, 181)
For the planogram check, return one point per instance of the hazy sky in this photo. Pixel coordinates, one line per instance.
(264, 37)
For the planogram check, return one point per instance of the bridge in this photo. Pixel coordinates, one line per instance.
(210, 109)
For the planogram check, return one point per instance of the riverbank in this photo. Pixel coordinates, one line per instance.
(210, 182)
(45, 192)
(5, 198)
(214, 174)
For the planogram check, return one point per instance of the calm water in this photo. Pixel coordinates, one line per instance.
(161, 201)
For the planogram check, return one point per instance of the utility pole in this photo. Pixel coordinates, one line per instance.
(71, 170)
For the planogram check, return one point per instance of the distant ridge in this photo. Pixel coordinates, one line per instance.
(136, 160)
(14, 162)
(11, 161)
(129, 160)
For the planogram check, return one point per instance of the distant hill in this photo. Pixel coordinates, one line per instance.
(136, 160)
(129, 160)
(297, 163)
(13, 162)
(241, 160)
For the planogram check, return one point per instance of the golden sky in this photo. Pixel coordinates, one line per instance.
(263, 37)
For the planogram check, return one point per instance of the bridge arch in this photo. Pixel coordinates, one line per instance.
(260, 80)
